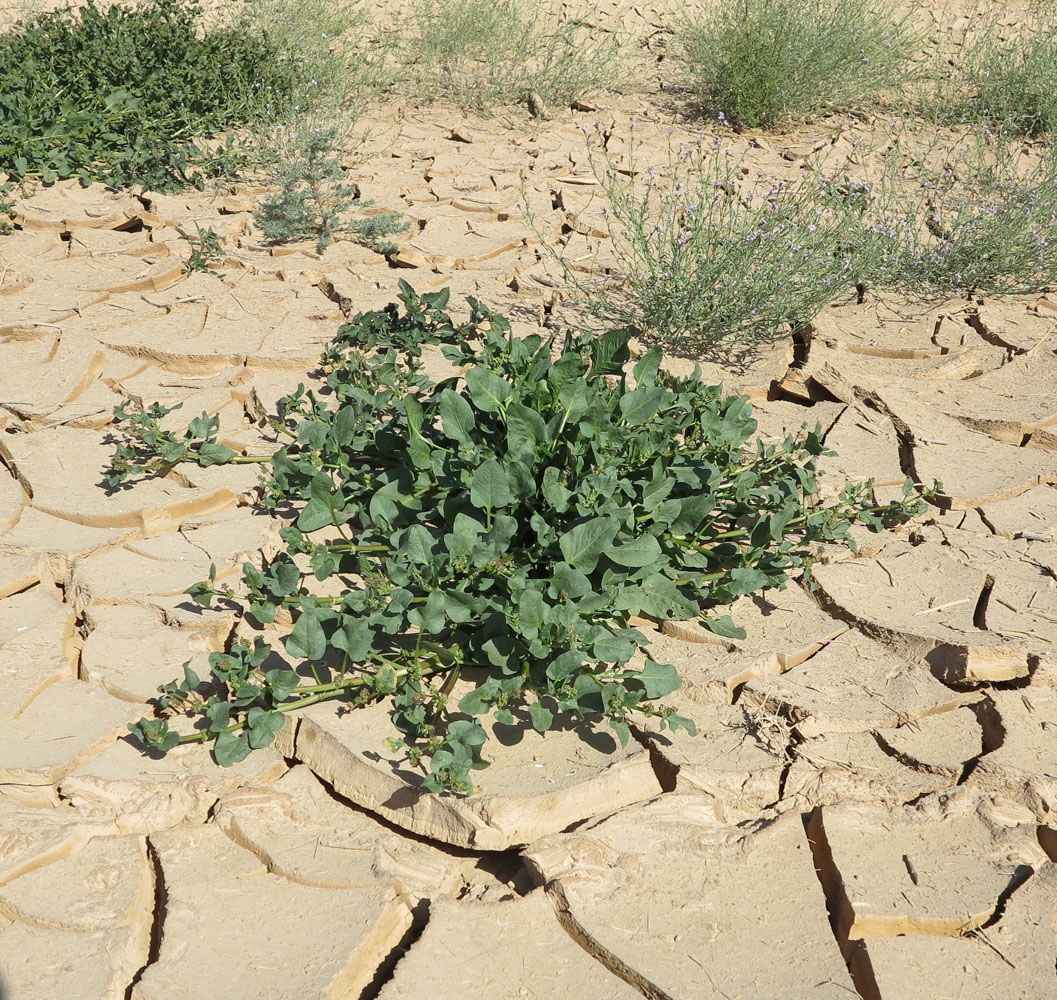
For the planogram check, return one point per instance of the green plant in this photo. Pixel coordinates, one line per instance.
(1011, 85)
(120, 95)
(486, 52)
(314, 198)
(340, 57)
(205, 251)
(7, 210)
(712, 255)
(500, 527)
(975, 214)
(148, 449)
(765, 63)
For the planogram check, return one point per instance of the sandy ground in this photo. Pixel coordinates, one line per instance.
(870, 809)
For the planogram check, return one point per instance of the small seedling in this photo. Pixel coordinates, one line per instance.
(205, 250)
(7, 210)
(315, 198)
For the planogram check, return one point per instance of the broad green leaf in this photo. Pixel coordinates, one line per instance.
(638, 406)
(583, 544)
(645, 370)
(570, 582)
(622, 731)
(263, 725)
(525, 430)
(641, 551)
(283, 577)
(418, 545)
(610, 352)
(465, 535)
(681, 722)
(229, 749)
(481, 698)
(307, 641)
(312, 434)
(315, 515)
(323, 562)
(568, 367)
(459, 606)
(490, 488)
(219, 716)
(415, 414)
(211, 453)
(657, 491)
(530, 612)
(429, 616)
(385, 680)
(746, 581)
(610, 648)
(553, 491)
(542, 718)
(281, 682)
(487, 390)
(469, 734)
(658, 679)
(574, 400)
(352, 637)
(725, 626)
(456, 416)
(565, 664)
(695, 511)
(191, 679)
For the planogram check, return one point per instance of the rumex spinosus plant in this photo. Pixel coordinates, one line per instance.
(495, 533)
(121, 94)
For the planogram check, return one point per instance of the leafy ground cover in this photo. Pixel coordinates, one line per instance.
(502, 526)
(120, 94)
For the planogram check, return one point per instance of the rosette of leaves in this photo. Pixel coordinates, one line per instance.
(503, 526)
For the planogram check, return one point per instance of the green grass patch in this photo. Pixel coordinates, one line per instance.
(768, 63)
(710, 253)
(489, 52)
(1008, 84)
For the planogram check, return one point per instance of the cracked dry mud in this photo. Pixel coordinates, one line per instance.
(871, 806)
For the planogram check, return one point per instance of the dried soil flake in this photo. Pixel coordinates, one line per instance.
(514, 948)
(232, 929)
(681, 905)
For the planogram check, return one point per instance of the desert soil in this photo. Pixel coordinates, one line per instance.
(870, 808)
